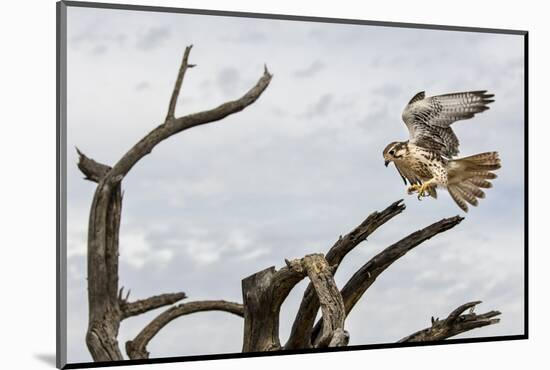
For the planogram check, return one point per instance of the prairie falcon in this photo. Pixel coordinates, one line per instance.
(426, 159)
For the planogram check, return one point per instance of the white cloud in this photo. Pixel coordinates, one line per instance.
(202, 252)
(206, 247)
(137, 251)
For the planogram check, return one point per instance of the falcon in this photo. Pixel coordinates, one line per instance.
(427, 160)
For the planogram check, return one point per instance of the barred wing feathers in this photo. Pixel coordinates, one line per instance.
(429, 119)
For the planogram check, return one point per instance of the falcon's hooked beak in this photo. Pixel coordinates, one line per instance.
(386, 163)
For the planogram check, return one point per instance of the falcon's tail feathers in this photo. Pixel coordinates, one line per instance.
(469, 174)
(458, 197)
(480, 162)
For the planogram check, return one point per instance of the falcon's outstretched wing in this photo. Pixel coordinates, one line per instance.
(429, 119)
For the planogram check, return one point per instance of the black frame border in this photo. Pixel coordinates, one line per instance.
(61, 147)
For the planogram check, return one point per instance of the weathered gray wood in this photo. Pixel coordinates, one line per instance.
(177, 86)
(330, 299)
(340, 338)
(129, 309)
(164, 131)
(94, 171)
(358, 284)
(103, 303)
(300, 335)
(137, 348)
(263, 292)
(105, 312)
(456, 323)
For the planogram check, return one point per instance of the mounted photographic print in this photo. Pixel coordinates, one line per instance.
(236, 184)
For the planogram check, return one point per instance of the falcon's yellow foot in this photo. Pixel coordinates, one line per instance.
(413, 188)
(424, 190)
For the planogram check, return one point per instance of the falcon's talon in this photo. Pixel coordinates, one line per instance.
(423, 190)
(413, 189)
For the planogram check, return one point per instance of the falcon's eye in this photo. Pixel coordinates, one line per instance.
(392, 152)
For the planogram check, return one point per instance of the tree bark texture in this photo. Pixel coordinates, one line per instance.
(136, 349)
(456, 323)
(263, 292)
(300, 336)
(104, 306)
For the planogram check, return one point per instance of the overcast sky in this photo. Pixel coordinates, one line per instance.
(292, 172)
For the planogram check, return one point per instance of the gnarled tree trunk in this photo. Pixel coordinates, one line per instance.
(263, 292)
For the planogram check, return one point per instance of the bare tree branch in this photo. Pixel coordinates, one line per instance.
(129, 309)
(346, 244)
(162, 132)
(265, 291)
(332, 304)
(94, 171)
(177, 87)
(104, 221)
(137, 348)
(358, 284)
(367, 274)
(300, 336)
(456, 323)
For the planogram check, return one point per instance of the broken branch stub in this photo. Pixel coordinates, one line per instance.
(456, 323)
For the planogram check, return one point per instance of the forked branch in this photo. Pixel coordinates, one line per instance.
(106, 308)
(367, 274)
(164, 131)
(358, 284)
(456, 323)
(300, 336)
(265, 292)
(94, 171)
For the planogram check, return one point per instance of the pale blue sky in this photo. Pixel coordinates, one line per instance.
(292, 172)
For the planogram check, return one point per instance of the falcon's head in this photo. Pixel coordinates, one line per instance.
(394, 151)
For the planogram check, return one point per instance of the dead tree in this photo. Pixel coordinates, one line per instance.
(263, 292)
